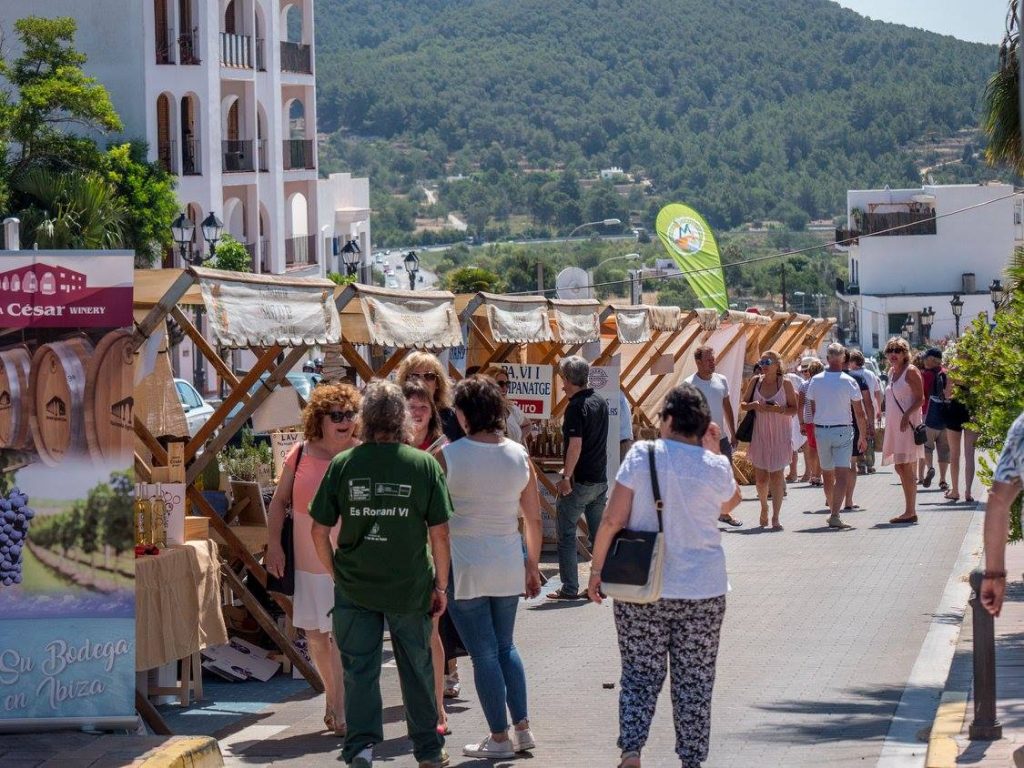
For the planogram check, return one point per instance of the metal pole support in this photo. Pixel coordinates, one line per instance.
(985, 726)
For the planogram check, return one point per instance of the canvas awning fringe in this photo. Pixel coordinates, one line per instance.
(410, 319)
(518, 319)
(577, 320)
(632, 324)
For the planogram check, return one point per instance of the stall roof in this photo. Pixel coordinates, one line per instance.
(402, 319)
(515, 319)
(576, 320)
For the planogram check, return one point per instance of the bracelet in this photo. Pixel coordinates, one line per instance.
(994, 575)
(442, 590)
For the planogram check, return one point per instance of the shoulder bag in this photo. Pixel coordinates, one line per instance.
(745, 430)
(633, 568)
(285, 585)
(920, 433)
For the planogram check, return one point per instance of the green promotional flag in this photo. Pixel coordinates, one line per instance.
(691, 243)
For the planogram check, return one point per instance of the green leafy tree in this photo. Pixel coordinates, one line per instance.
(472, 280)
(71, 210)
(147, 191)
(1001, 122)
(232, 256)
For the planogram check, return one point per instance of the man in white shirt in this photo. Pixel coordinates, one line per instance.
(832, 394)
(715, 388)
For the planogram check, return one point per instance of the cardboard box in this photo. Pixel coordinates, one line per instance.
(196, 528)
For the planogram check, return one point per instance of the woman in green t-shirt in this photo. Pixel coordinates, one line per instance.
(393, 506)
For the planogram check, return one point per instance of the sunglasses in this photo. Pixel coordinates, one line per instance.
(503, 384)
(424, 376)
(339, 416)
(766, 361)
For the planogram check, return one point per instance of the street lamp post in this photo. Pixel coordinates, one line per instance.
(803, 300)
(182, 228)
(927, 320)
(351, 255)
(412, 266)
(957, 304)
(997, 294)
(908, 327)
(599, 223)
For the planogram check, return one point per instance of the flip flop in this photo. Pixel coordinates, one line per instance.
(943, 485)
(901, 520)
(560, 595)
(730, 520)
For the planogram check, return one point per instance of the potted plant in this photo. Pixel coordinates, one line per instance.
(248, 467)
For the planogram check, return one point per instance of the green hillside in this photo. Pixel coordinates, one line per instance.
(747, 110)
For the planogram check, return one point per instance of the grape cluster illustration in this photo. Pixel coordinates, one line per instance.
(15, 515)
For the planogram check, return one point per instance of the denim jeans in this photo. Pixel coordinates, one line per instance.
(486, 625)
(586, 499)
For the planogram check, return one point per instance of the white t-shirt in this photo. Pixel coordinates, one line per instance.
(874, 383)
(715, 390)
(514, 423)
(833, 393)
(485, 481)
(694, 484)
(625, 418)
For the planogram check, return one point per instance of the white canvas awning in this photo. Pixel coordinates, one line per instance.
(410, 319)
(262, 310)
(664, 318)
(518, 319)
(708, 318)
(632, 324)
(747, 318)
(577, 320)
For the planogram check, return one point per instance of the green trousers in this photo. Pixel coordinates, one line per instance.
(360, 636)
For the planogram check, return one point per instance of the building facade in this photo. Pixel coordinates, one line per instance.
(910, 249)
(223, 91)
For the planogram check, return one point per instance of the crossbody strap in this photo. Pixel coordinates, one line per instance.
(655, 488)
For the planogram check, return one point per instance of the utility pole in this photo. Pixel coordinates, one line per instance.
(540, 278)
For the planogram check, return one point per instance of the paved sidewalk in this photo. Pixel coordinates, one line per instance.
(822, 632)
(1009, 679)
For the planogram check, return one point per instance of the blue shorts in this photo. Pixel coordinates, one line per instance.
(835, 446)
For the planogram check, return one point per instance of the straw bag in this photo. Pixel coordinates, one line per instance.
(634, 568)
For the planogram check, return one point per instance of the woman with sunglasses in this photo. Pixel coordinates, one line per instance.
(329, 427)
(427, 370)
(772, 397)
(515, 420)
(903, 398)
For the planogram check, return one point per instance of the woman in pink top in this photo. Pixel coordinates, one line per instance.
(773, 398)
(329, 424)
(903, 398)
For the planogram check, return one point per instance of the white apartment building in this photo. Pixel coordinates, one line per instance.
(945, 240)
(224, 93)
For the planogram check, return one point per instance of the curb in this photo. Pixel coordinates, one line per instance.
(949, 721)
(185, 752)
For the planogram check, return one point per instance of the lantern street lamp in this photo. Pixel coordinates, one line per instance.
(927, 320)
(412, 266)
(957, 305)
(212, 227)
(182, 229)
(908, 326)
(351, 255)
(997, 293)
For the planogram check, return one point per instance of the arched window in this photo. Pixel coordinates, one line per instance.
(48, 285)
(31, 284)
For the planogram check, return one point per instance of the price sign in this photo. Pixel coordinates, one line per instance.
(529, 387)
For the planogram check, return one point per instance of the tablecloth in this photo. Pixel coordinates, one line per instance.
(177, 603)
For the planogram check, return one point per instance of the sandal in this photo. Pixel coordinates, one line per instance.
(630, 760)
(452, 686)
(562, 595)
(336, 728)
(952, 496)
(969, 499)
(730, 520)
(943, 485)
(903, 520)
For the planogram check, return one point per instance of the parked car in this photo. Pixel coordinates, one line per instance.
(197, 410)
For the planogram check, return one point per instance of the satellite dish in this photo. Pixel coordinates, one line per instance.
(572, 283)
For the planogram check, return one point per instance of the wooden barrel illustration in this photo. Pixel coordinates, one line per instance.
(15, 397)
(58, 399)
(109, 399)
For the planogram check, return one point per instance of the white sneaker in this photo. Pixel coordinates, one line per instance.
(363, 760)
(522, 740)
(490, 748)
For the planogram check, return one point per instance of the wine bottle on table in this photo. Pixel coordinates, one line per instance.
(159, 516)
(143, 515)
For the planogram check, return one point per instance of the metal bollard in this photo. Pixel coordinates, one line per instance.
(985, 726)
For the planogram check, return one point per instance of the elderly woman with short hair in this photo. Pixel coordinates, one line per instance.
(391, 501)
(683, 625)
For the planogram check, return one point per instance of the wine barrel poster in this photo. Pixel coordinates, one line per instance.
(67, 567)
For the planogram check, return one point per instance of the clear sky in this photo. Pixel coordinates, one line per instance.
(982, 21)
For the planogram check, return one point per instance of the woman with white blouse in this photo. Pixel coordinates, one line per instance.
(491, 480)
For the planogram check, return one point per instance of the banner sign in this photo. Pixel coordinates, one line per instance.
(691, 243)
(67, 533)
(66, 289)
(529, 387)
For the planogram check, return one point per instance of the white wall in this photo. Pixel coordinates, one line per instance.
(979, 240)
(344, 211)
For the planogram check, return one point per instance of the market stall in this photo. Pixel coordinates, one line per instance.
(280, 319)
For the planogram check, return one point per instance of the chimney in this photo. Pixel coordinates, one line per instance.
(12, 233)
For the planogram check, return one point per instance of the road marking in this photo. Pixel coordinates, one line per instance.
(949, 720)
(903, 747)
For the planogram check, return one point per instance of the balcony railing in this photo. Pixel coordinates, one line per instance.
(845, 237)
(298, 154)
(238, 156)
(264, 247)
(190, 158)
(300, 251)
(165, 48)
(188, 47)
(296, 57)
(167, 156)
(262, 155)
(893, 224)
(261, 54)
(236, 50)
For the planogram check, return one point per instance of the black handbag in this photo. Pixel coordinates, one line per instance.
(745, 430)
(920, 432)
(633, 568)
(285, 585)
